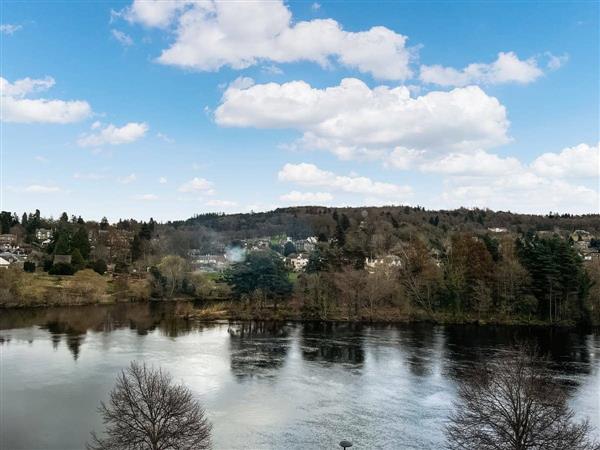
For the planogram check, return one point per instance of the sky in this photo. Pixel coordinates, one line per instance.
(169, 109)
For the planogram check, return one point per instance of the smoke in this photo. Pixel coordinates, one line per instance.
(235, 254)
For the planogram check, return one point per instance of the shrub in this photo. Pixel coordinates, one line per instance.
(62, 269)
(29, 266)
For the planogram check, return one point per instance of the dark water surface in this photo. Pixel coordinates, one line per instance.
(281, 386)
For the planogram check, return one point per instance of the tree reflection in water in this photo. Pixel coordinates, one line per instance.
(257, 349)
(332, 342)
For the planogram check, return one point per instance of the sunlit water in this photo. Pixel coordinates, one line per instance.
(264, 386)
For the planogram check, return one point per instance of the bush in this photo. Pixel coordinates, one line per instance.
(62, 269)
(29, 266)
(98, 266)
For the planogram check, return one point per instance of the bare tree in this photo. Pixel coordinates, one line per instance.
(148, 411)
(514, 404)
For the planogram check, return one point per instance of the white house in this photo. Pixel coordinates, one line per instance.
(4, 263)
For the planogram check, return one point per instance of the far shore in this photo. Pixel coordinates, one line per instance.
(213, 311)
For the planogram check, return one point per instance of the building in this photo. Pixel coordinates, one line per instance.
(8, 239)
(497, 230)
(4, 263)
(297, 262)
(43, 234)
(209, 263)
(387, 262)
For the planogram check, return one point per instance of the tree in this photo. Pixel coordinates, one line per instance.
(173, 268)
(99, 266)
(514, 404)
(29, 266)
(261, 270)
(77, 260)
(147, 410)
(81, 242)
(289, 248)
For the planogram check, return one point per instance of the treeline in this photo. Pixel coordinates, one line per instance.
(455, 276)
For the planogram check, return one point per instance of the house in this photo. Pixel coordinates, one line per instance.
(43, 234)
(497, 230)
(8, 239)
(4, 263)
(306, 245)
(386, 262)
(210, 263)
(297, 262)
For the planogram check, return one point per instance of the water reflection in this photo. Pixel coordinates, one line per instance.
(265, 384)
(332, 342)
(257, 348)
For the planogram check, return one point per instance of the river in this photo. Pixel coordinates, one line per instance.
(264, 385)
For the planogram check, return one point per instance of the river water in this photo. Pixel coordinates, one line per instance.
(263, 385)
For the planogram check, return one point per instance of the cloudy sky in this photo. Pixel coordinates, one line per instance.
(168, 109)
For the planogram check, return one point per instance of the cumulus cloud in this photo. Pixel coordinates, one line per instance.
(112, 135)
(196, 184)
(523, 192)
(162, 180)
(507, 68)
(353, 120)
(580, 161)
(479, 163)
(123, 38)
(212, 34)
(15, 107)
(552, 182)
(308, 198)
(9, 28)
(305, 174)
(127, 179)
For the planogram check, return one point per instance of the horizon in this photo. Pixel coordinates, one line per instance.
(167, 110)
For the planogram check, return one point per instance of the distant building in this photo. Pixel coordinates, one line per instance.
(8, 239)
(4, 263)
(43, 234)
(209, 263)
(497, 230)
(297, 262)
(385, 262)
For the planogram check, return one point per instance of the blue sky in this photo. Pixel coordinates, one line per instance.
(167, 109)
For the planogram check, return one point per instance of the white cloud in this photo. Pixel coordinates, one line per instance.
(145, 197)
(197, 185)
(507, 68)
(112, 135)
(210, 35)
(221, 203)
(315, 6)
(9, 28)
(479, 163)
(162, 180)
(127, 179)
(556, 62)
(552, 182)
(524, 192)
(89, 176)
(308, 198)
(16, 108)
(41, 159)
(123, 38)
(163, 137)
(580, 161)
(41, 189)
(353, 120)
(305, 174)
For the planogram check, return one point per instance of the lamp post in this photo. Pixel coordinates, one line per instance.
(345, 444)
